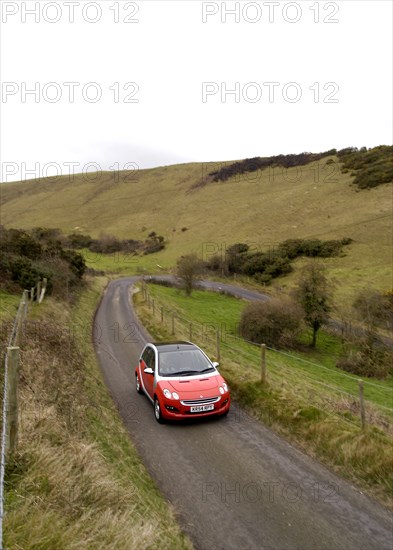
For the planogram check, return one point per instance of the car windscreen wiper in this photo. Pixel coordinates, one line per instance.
(207, 370)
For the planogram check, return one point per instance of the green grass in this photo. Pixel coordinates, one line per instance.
(261, 210)
(76, 481)
(9, 304)
(323, 422)
(210, 308)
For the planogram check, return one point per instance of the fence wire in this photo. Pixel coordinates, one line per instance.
(11, 342)
(311, 381)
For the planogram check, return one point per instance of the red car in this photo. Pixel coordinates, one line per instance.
(181, 381)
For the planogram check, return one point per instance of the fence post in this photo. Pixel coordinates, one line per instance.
(361, 401)
(162, 314)
(153, 307)
(218, 355)
(173, 324)
(190, 332)
(12, 391)
(43, 289)
(263, 363)
(38, 291)
(25, 301)
(32, 294)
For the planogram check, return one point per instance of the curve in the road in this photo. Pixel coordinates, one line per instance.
(234, 483)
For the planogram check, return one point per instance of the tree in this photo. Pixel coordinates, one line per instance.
(189, 268)
(314, 296)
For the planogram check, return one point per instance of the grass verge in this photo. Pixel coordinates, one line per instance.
(76, 481)
(322, 421)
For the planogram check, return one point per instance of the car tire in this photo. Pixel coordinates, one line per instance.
(138, 386)
(157, 411)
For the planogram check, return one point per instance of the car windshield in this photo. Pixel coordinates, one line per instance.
(183, 363)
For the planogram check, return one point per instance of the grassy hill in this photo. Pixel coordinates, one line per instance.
(195, 213)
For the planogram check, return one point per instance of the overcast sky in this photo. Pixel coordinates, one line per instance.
(113, 84)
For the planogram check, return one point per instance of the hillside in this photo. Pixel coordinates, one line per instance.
(194, 213)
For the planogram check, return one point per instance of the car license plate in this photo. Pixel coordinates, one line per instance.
(202, 408)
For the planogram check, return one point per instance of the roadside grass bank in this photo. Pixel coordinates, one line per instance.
(76, 481)
(315, 408)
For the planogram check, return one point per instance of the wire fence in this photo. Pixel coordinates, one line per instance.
(9, 408)
(338, 393)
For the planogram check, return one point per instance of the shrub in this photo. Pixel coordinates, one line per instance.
(368, 361)
(75, 261)
(235, 257)
(291, 248)
(24, 272)
(374, 308)
(17, 242)
(217, 263)
(260, 163)
(276, 322)
(370, 167)
(77, 240)
(154, 243)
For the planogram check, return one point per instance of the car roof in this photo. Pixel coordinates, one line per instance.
(180, 345)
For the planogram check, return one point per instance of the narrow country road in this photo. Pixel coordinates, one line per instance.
(234, 484)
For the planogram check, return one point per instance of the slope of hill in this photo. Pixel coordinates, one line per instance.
(260, 208)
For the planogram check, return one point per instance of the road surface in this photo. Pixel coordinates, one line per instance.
(234, 483)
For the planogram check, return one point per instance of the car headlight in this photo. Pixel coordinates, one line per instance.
(221, 390)
(175, 395)
(225, 386)
(167, 393)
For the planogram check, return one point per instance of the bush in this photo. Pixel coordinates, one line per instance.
(291, 248)
(215, 263)
(77, 240)
(75, 261)
(260, 163)
(20, 243)
(276, 322)
(369, 362)
(24, 272)
(374, 308)
(370, 167)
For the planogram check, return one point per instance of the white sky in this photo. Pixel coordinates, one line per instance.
(170, 53)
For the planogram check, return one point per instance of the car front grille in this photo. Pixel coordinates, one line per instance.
(204, 401)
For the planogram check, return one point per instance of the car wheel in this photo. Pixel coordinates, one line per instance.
(138, 384)
(157, 411)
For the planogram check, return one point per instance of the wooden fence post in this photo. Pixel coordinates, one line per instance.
(361, 402)
(173, 324)
(25, 301)
(43, 290)
(162, 314)
(32, 294)
(218, 354)
(153, 307)
(38, 291)
(263, 363)
(12, 391)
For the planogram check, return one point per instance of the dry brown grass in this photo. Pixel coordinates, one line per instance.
(76, 481)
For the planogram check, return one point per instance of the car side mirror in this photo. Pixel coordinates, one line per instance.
(215, 364)
(148, 370)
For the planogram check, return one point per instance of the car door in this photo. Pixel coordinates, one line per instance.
(148, 361)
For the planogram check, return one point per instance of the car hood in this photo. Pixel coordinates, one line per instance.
(201, 384)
